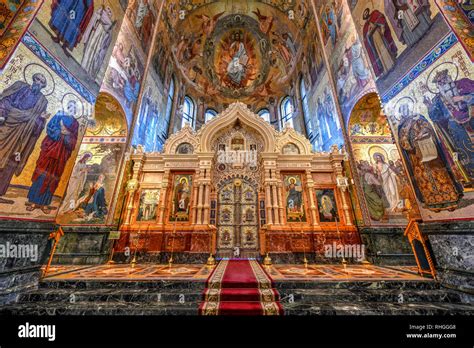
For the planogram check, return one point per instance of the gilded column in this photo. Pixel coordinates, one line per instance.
(342, 181)
(133, 183)
(345, 206)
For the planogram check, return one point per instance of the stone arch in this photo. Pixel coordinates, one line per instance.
(290, 136)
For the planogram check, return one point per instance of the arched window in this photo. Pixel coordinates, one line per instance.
(210, 114)
(188, 112)
(286, 109)
(265, 114)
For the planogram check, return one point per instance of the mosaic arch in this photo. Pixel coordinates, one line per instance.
(90, 194)
(380, 173)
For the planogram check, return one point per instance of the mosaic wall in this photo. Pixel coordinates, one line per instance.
(143, 15)
(151, 127)
(124, 75)
(15, 17)
(42, 121)
(324, 120)
(80, 35)
(424, 77)
(396, 37)
(349, 64)
(431, 113)
(459, 15)
(47, 102)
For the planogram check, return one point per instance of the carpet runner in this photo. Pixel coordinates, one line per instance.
(240, 287)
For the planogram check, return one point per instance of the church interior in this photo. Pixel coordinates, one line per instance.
(236, 157)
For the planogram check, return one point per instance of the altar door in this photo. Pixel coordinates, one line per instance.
(237, 221)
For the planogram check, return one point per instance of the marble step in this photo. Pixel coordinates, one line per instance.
(368, 295)
(127, 308)
(298, 295)
(377, 308)
(123, 284)
(112, 295)
(200, 284)
(102, 308)
(361, 285)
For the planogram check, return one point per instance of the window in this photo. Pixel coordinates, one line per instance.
(286, 109)
(265, 114)
(188, 112)
(210, 114)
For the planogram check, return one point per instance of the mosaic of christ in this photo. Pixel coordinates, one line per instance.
(235, 60)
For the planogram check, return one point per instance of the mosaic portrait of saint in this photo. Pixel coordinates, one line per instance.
(294, 199)
(181, 198)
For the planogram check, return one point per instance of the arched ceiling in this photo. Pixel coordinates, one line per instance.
(236, 49)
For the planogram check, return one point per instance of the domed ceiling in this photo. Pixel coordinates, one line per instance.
(236, 50)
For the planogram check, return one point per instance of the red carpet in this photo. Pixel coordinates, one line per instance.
(240, 287)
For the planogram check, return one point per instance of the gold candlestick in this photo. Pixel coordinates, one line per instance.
(170, 261)
(344, 262)
(133, 263)
(267, 261)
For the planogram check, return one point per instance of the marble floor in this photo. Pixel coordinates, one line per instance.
(201, 272)
(342, 272)
(127, 272)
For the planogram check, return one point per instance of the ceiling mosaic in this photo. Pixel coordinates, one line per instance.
(236, 50)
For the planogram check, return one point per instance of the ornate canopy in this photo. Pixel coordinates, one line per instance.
(273, 141)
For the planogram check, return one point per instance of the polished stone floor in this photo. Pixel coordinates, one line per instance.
(342, 272)
(157, 289)
(127, 272)
(201, 272)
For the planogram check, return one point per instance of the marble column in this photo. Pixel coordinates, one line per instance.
(312, 205)
(275, 205)
(268, 204)
(164, 191)
(199, 205)
(207, 204)
(281, 207)
(195, 203)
